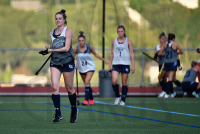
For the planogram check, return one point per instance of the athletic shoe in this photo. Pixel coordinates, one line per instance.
(195, 94)
(57, 118)
(85, 102)
(162, 94)
(185, 94)
(173, 95)
(74, 116)
(117, 100)
(122, 103)
(91, 102)
(166, 96)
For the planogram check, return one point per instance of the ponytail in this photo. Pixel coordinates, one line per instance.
(121, 26)
(171, 36)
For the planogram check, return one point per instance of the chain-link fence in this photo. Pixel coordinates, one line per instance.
(18, 66)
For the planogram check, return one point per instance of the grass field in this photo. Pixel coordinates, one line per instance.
(33, 115)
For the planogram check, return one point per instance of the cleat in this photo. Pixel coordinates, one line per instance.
(195, 94)
(185, 94)
(166, 96)
(85, 102)
(173, 95)
(117, 100)
(74, 116)
(162, 94)
(122, 103)
(180, 68)
(57, 118)
(91, 102)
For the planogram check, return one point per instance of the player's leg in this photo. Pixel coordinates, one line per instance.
(68, 78)
(176, 82)
(88, 86)
(169, 85)
(85, 102)
(55, 80)
(195, 86)
(124, 88)
(115, 86)
(162, 81)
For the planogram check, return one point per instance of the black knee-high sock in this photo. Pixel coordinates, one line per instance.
(56, 102)
(116, 90)
(72, 99)
(169, 87)
(124, 93)
(163, 85)
(87, 92)
(178, 83)
(91, 95)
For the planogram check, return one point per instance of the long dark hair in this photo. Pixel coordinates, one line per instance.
(81, 34)
(161, 35)
(194, 63)
(62, 12)
(121, 26)
(171, 36)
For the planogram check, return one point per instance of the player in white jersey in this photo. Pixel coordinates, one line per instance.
(86, 65)
(121, 57)
(62, 62)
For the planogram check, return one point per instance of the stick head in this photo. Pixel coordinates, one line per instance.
(36, 73)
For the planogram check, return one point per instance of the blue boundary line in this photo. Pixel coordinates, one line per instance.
(17, 110)
(149, 109)
(179, 124)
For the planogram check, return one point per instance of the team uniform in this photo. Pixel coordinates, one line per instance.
(160, 58)
(189, 83)
(170, 64)
(121, 57)
(63, 61)
(160, 63)
(170, 59)
(85, 63)
(121, 63)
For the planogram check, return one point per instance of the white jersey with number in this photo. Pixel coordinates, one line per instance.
(121, 54)
(85, 61)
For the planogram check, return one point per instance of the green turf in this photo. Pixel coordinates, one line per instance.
(28, 115)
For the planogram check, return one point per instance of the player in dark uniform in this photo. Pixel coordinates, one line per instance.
(170, 63)
(162, 39)
(62, 62)
(189, 83)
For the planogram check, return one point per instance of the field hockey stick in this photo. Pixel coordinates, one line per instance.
(77, 100)
(149, 57)
(107, 73)
(43, 65)
(162, 68)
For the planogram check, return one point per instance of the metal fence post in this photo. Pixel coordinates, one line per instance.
(142, 83)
